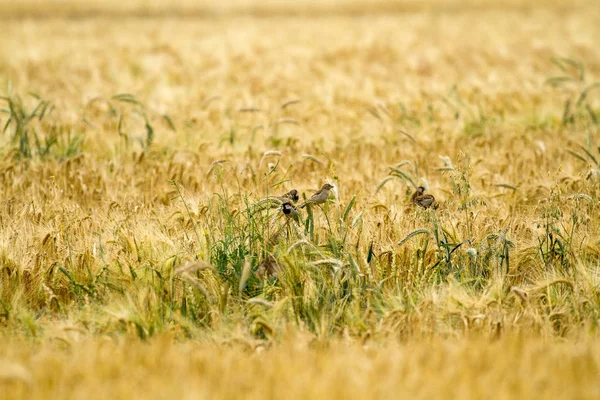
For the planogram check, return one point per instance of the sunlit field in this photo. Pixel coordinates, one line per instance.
(145, 147)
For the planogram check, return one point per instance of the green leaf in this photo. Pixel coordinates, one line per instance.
(563, 62)
(7, 124)
(577, 156)
(170, 122)
(64, 271)
(149, 134)
(127, 98)
(402, 175)
(348, 208)
(566, 112)
(557, 81)
(402, 163)
(386, 180)
(43, 111)
(506, 186)
(589, 155)
(584, 93)
(592, 114)
(416, 232)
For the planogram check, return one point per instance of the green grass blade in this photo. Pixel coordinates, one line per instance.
(416, 232)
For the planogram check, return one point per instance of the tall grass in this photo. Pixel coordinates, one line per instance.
(138, 201)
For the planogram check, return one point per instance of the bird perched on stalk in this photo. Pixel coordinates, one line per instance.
(277, 201)
(290, 211)
(419, 198)
(292, 196)
(318, 198)
(273, 202)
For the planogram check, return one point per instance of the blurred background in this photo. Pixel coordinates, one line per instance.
(79, 8)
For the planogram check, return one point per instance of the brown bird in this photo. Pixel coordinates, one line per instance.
(318, 198)
(292, 196)
(269, 268)
(277, 201)
(423, 200)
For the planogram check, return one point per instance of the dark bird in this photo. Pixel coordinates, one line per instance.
(318, 198)
(423, 200)
(290, 211)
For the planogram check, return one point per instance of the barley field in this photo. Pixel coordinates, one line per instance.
(144, 253)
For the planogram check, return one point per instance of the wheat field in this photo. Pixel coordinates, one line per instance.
(143, 252)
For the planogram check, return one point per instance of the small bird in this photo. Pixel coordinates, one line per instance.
(269, 268)
(290, 211)
(318, 198)
(277, 201)
(292, 196)
(423, 200)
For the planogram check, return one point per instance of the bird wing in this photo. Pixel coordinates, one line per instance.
(426, 200)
